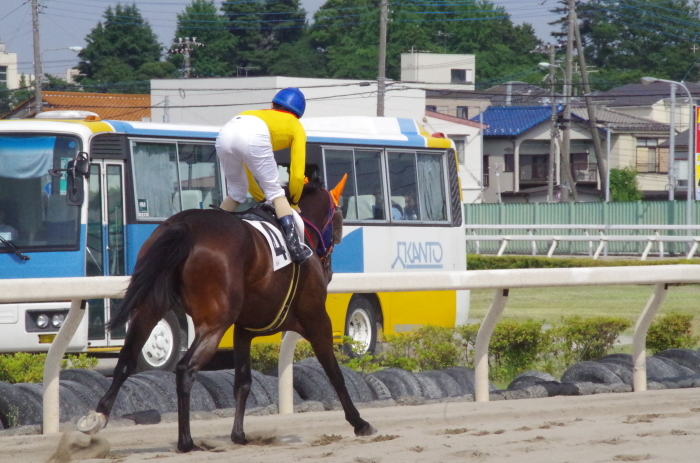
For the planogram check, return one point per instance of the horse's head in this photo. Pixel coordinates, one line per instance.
(323, 220)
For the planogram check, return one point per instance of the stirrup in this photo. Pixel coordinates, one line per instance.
(300, 254)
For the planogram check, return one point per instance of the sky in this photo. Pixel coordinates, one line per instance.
(65, 23)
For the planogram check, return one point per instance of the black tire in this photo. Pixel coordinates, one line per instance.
(589, 372)
(200, 399)
(70, 405)
(684, 357)
(663, 368)
(18, 408)
(623, 372)
(361, 326)
(88, 398)
(312, 384)
(163, 387)
(162, 350)
(530, 378)
(144, 396)
(93, 380)
(357, 387)
(220, 390)
(401, 383)
(437, 384)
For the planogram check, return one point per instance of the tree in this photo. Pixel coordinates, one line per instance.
(122, 49)
(10, 99)
(623, 185)
(628, 39)
(349, 31)
(261, 28)
(216, 57)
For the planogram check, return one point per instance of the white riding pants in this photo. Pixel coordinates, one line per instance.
(246, 140)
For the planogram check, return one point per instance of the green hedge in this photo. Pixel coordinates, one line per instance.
(483, 262)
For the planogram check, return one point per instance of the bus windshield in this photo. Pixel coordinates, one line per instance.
(33, 208)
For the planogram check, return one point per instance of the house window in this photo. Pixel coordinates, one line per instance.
(459, 147)
(431, 107)
(458, 76)
(649, 156)
(463, 112)
(485, 175)
(3, 75)
(509, 162)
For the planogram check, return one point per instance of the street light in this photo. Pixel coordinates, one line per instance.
(691, 183)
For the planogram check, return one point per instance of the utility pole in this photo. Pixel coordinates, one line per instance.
(184, 47)
(38, 97)
(601, 162)
(381, 79)
(672, 146)
(166, 109)
(553, 129)
(566, 145)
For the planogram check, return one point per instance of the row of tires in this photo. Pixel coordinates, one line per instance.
(80, 390)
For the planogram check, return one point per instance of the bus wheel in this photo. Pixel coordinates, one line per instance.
(162, 349)
(361, 326)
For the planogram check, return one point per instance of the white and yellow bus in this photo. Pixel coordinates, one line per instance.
(401, 206)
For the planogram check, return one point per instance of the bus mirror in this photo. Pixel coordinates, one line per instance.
(82, 164)
(75, 187)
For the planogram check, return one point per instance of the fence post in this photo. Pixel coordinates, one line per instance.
(481, 348)
(285, 372)
(640, 336)
(52, 367)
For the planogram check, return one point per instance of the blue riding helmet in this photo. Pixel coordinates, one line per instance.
(292, 100)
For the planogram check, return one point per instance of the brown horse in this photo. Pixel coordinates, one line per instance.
(217, 269)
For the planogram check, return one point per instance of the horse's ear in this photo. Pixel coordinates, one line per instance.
(337, 190)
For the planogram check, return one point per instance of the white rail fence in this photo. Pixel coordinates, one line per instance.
(660, 277)
(599, 239)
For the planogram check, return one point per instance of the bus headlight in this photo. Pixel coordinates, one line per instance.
(57, 320)
(42, 321)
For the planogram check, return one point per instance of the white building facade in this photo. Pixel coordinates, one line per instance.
(8, 69)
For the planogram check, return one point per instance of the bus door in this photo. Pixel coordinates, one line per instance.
(105, 251)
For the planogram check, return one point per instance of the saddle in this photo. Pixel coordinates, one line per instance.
(262, 212)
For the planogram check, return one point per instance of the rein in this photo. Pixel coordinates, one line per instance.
(324, 245)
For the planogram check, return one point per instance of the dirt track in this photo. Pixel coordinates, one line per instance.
(660, 426)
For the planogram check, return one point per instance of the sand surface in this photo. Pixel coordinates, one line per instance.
(660, 426)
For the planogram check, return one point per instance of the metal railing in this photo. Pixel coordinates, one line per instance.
(600, 239)
(79, 289)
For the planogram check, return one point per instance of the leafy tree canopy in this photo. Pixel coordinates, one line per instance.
(261, 27)
(216, 57)
(623, 185)
(349, 31)
(123, 48)
(629, 39)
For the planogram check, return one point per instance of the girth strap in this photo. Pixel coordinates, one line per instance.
(286, 305)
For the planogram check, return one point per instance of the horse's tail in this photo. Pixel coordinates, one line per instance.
(156, 280)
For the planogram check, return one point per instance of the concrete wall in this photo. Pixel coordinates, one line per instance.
(215, 101)
(10, 61)
(470, 168)
(435, 68)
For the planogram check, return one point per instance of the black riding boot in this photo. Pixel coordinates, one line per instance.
(297, 251)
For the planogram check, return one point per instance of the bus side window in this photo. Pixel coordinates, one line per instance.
(338, 163)
(432, 199)
(368, 173)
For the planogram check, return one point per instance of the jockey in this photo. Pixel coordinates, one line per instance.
(245, 148)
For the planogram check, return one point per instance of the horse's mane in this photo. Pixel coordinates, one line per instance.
(311, 187)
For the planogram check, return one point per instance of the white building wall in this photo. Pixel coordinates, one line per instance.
(470, 165)
(215, 101)
(436, 68)
(9, 60)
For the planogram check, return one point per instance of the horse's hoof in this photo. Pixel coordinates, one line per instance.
(189, 448)
(365, 430)
(239, 439)
(92, 423)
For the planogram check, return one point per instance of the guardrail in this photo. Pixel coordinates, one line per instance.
(80, 289)
(601, 238)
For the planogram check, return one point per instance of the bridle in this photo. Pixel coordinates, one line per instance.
(324, 236)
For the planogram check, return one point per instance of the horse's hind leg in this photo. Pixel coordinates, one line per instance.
(139, 330)
(318, 332)
(201, 351)
(242, 381)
